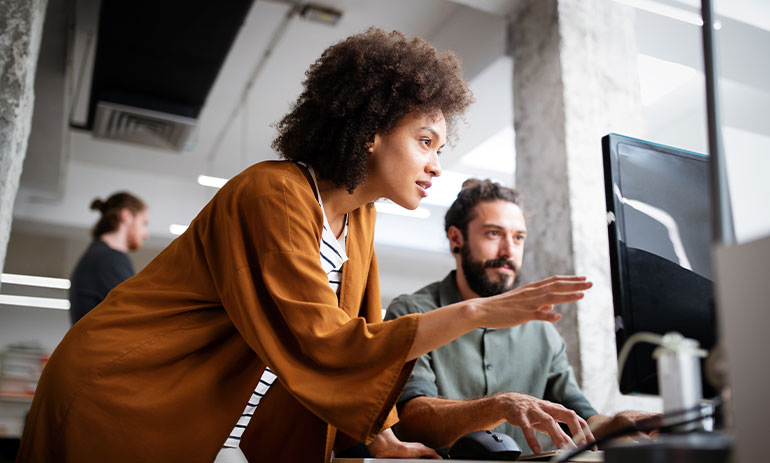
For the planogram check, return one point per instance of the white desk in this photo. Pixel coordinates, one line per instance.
(396, 460)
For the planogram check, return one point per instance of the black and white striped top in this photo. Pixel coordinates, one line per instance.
(332, 257)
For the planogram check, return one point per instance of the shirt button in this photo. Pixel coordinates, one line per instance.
(489, 366)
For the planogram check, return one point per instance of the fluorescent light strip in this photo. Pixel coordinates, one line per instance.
(177, 229)
(665, 10)
(28, 301)
(30, 280)
(395, 209)
(214, 182)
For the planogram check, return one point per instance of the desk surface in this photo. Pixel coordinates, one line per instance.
(591, 456)
(404, 460)
(390, 460)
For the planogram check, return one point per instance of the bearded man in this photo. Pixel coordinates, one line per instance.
(515, 380)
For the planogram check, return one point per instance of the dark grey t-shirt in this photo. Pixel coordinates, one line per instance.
(529, 359)
(99, 270)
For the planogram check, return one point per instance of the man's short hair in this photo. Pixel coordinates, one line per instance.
(362, 86)
(473, 192)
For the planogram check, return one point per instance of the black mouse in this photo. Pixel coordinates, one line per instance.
(485, 445)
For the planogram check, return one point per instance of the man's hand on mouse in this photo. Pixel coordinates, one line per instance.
(533, 414)
(387, 445)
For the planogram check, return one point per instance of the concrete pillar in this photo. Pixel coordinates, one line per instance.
(21, 23)
(575, 80)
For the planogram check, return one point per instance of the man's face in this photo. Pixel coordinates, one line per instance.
(493, 248)
(137, 230)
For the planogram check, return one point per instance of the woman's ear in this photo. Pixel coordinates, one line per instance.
(372, 144)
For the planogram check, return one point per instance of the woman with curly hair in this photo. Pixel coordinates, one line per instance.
(163, 368)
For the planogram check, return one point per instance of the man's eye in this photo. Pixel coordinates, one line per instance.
(426, 141)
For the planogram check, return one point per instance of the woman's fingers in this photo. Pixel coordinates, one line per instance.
(551, 299)
(546, 316)
(553, 279)
(560, 286)
(534, 301)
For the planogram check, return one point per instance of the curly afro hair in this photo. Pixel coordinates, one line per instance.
(362, 86)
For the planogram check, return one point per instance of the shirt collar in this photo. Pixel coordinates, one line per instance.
(448, 292)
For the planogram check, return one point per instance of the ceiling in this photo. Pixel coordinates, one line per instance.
(165, 61)
(235, 70)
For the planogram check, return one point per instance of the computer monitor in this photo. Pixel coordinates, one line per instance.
(658, 216)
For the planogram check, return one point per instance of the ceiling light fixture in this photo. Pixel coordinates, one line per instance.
(321, 14)
(214, 182)
(177, 229)
(41, 302)
(30, 280)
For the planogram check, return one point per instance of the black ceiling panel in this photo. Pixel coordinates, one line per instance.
(162, 55)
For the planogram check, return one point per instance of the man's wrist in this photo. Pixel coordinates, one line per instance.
(499, 405)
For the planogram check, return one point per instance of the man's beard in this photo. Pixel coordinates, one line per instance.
(133, 242)
(479, 281)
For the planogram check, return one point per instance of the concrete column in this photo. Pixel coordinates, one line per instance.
(575, 80)
(22, 24)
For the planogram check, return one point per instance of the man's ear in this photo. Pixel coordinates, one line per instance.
(126, 216)
(455, 237)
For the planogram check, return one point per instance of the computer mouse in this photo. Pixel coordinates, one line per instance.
(485, 445)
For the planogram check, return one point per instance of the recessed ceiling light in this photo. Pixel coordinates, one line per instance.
(177, 229)
(214, 182)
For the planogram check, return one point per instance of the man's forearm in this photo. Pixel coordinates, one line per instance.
(439, 422)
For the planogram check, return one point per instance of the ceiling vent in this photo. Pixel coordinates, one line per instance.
(143, 126)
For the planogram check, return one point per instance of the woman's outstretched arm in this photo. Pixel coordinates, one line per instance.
(530, 302)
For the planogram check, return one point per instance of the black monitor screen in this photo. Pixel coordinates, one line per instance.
(660, 249)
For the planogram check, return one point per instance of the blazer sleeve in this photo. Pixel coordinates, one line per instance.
(262, 243)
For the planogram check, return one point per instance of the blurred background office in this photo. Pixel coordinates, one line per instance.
(170, 99)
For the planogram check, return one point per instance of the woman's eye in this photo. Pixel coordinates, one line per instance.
(426, 141)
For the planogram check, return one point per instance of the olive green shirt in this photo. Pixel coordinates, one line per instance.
(529, 359)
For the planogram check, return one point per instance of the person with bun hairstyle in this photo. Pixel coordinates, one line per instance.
(121, 228)
(164, 368)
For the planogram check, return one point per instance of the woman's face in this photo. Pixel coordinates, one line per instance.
(404, 160)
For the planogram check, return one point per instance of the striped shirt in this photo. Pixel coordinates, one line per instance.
(332, 257)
